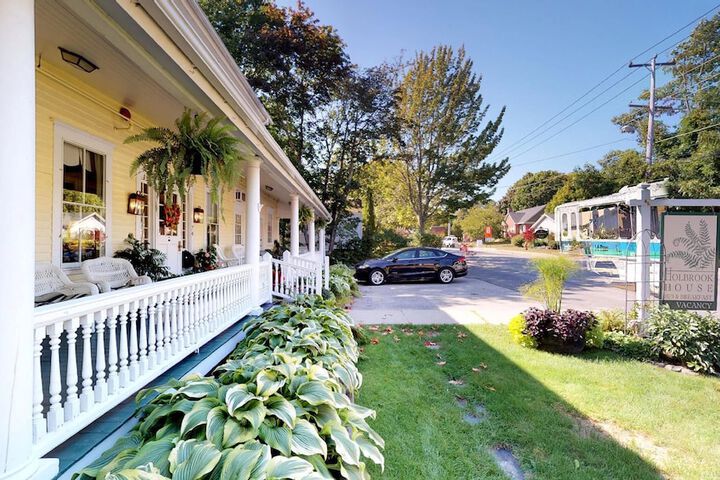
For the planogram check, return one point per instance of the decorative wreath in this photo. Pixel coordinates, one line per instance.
(172, 215)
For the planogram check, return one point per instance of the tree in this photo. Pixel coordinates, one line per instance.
(583, 183)
(474, 220)
(440, 141)
(290, 59)
(392, 208)
(533, 189)
(346, 135)
(623, 167)
(369, 228)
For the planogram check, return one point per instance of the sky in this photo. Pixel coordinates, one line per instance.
(535, 58)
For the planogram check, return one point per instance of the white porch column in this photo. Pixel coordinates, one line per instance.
(294, 224)
(311, 232)
(642, 248)
(252, 230)
(17, 161)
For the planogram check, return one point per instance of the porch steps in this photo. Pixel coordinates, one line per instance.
(84, 447)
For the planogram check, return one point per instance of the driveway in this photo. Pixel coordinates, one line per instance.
(490, 293)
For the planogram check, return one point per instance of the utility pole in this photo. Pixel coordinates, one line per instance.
(652, 108)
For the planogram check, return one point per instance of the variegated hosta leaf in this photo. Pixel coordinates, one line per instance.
(278, 437)
(268, 383)
(199, 388)
(238, 396)
(254, 412)
(348, 450)
(154, 452)
(315, 393)
(294, 468)
(353, 472)
(369, 450)
(215, 427)
(282, 409)
(198, 415)
(239, 463)
(136, 474)
(306, 440)
(192, 459)
(235, 432)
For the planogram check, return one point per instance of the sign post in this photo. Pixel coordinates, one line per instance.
(689, 260)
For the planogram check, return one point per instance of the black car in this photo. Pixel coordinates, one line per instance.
(412, 264)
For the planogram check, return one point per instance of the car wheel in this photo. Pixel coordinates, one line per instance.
(377, 277)
(446, 275)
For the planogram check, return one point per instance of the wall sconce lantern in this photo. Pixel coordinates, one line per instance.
(198, 215)
(77, 60)
(136, 203)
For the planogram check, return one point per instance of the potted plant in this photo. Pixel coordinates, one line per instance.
(196, 147)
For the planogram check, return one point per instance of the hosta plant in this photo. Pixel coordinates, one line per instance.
(342, 282)
(279, 407)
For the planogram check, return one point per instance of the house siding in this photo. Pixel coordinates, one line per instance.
(57, 101)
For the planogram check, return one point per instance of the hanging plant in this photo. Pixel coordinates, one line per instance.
(321, 223)
(304, 215)
(196, 147)
(172, 215)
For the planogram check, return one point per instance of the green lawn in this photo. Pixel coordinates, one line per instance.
(590, 417)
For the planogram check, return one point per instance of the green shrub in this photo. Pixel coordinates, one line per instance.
(386, 241)
(145, 260)
(553, 272)
(426, 240)
(279, 407)
(629, 345)
(518, 240)
(517, 332)
(206, 261)
(551, 242)
(342, 282)
(595, 336)
(690, 338)
(350, 253)
(611, 320)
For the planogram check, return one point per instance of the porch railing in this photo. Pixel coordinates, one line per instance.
(90, 354)
(293, 276)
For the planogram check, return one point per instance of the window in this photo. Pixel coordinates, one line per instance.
(212, 221)
(427, 254)
(238, 229)
(406, 254)
(144, 217)
(83, 204)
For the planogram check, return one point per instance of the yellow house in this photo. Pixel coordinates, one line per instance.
(79, 77)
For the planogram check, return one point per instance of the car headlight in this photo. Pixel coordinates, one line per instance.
(363, 266)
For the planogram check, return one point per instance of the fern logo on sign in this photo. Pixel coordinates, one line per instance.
(690, 261)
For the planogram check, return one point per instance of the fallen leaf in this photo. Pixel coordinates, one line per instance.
(441, 363)
(375, 341)
(438, 356)
(490, 387)
(396, 339)
(421, 333)
(458, 381)
(477, 370)
(362, 349)
(428, 343)
(389, 330)
(373, 328)
(481, 366)
(462, 335)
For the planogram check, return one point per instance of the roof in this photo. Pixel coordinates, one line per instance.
(540, 219)
(626, 193)
(526, 216)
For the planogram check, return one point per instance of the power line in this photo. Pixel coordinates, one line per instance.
(573, 152)
(621, 67)
(583, 117)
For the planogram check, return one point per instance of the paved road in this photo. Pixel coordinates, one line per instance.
(490, 293)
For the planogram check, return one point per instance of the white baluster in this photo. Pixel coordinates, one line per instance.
(134, 365)
(123, 372)
(113, 376)
(168, 326)
(176, 339)
(143, 340)
(55, 415)
(152, 329)
(87, 395)
(39, 425)
(101, 388)
(72, 402)
(182, 321)
(160, 310)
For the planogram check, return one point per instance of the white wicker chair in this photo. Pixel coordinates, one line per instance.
(111, 273)
(223, 260)
(239, 253)
(51, 279)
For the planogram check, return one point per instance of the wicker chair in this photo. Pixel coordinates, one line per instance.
(50, 279)
(239, 253)
(112, 273)
(223, 260)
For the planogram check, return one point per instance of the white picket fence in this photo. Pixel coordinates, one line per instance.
(104, 347)
(306, 274)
